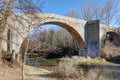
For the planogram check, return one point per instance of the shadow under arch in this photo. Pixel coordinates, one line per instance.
(112, 33)
(113, 37)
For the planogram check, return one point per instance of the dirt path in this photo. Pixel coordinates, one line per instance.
(34, 73)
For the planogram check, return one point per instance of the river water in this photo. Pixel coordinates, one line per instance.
(112, 71)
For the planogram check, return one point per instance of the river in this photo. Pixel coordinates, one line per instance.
(111, 71)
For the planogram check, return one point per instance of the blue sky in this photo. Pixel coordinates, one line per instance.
(61, 7)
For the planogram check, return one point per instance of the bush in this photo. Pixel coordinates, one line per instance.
(8, 61)
(110, 52)
(6, 56)
(67, 69)
(102, 53)
(94, 74)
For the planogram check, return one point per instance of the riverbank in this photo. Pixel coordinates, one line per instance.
(86, 64)
(91, 61)
(46, 71)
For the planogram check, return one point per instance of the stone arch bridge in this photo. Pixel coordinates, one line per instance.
(87, 33)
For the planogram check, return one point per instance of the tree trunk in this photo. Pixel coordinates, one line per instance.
(0, 49)
(25, 53)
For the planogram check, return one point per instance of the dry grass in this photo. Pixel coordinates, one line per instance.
(94, 74)
(9, 73)
(67, 70)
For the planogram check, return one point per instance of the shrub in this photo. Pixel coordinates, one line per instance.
(66, 69)
(94, 74)
(110, 50)
(8, 61)
(102, 53)
(6, 56)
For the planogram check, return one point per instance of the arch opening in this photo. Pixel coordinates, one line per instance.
(112, 37)
(110, 50)
(70, 29)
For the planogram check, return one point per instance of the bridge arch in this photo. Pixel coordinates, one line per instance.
(71, 28)
(112, 37)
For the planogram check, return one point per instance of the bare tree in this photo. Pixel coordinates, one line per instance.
(87, 12)
(105, 13)
(28, 7)
(118, 24)
(91, 11)
(42, 35)
(110, 10)
(98, 12)
(50, 36)
(73, 13)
